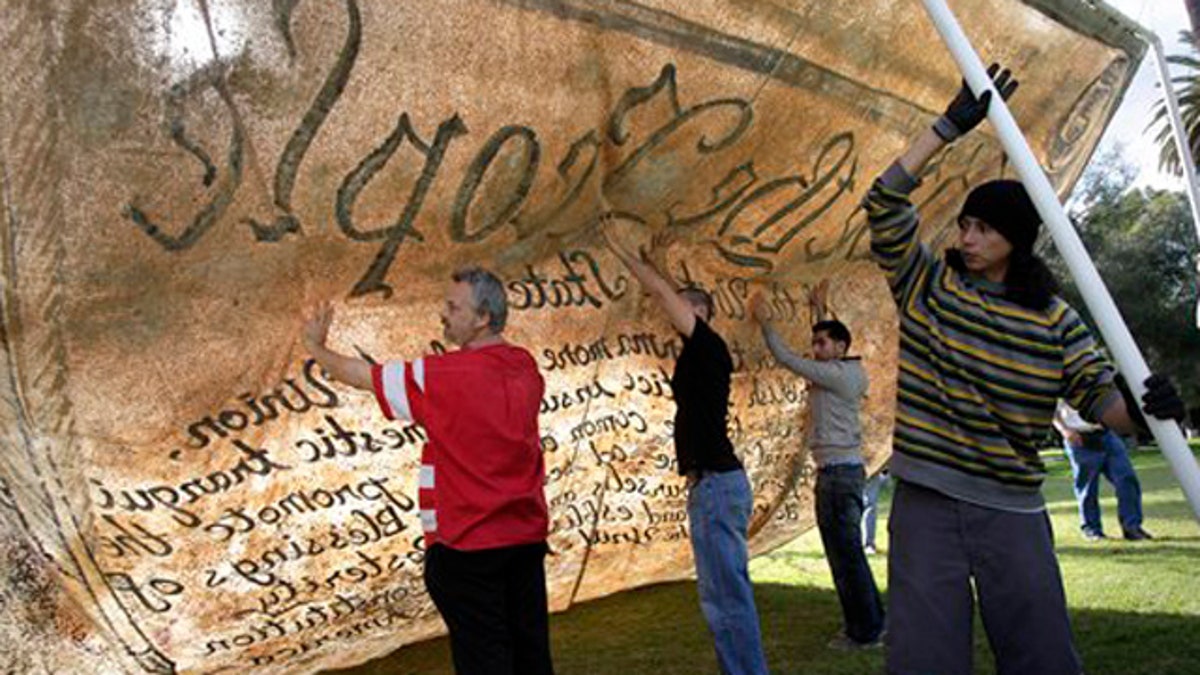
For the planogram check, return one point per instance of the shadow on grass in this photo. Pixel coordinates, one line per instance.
(1162, 548)
(659, 631)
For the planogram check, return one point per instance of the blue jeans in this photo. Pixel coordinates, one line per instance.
(839, 514)
(875, 485)
(719, 514)
(1104, 453)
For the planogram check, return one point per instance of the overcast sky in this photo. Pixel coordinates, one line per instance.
(1167, 18)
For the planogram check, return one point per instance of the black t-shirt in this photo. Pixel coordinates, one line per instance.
(701, 387)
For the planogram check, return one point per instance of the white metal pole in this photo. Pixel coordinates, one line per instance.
(1181, 139)
(1095, 294)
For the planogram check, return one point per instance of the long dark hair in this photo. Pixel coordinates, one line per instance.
(1028, 281)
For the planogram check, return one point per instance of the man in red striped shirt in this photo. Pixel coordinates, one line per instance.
(483, 508)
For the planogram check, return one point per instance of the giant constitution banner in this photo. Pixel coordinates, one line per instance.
(182, 490)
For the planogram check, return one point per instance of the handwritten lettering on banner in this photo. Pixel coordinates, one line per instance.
(746, 236)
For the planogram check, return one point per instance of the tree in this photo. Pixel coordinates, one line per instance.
(1193, 8)
(1187, 89)
(1141, 241)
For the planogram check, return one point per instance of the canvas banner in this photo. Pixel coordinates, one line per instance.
(184, 491)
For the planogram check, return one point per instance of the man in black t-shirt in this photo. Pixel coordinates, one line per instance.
(719, 498)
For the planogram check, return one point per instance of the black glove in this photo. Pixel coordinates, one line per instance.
(966, 111)
(1162, 400)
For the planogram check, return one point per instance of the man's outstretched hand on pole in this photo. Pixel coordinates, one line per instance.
(1162, 399)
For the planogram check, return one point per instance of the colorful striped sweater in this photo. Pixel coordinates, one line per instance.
(979, 375)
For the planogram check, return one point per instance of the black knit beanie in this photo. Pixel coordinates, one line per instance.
(1004, 205)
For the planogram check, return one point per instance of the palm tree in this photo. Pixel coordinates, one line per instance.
(1193, 8)
(1187, 89)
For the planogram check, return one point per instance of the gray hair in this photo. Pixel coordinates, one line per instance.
(487, 295)
(698, 297)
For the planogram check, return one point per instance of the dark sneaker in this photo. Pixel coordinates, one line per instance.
(842, 642)
(1137, 534)
(1093, 535)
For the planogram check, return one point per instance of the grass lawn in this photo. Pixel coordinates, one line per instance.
(1135, 606)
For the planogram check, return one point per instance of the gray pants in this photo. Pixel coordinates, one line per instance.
(939, 546)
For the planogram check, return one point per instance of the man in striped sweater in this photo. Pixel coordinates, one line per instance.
(986, 349)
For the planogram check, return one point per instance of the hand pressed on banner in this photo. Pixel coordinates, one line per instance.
(315, 330)
(606, 225)
(660, 243)
(758, 308)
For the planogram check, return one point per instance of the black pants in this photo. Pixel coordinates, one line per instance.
(494, 603)
(944, 555)
(839, 518)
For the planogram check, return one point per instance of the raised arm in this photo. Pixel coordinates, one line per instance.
(922, 149)
(818, 302)
(831, 375)
(963, 114)
(344, 369)
(678, 310)
(890, 213)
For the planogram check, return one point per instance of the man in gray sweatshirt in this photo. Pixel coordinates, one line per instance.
(837, 385)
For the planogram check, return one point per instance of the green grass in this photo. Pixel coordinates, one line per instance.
(1135, 606)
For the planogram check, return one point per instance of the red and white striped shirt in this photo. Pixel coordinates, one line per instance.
(482, 473)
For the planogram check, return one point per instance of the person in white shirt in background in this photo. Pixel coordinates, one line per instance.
(1092, 451)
